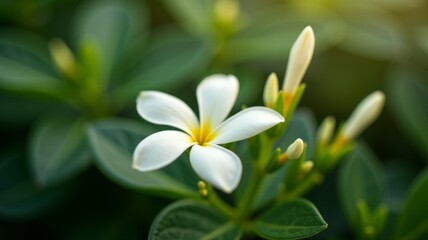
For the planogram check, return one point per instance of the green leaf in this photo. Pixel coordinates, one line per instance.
(113, 25)
(19, 197)
(294, 219)
(166, 64)
(301, 126)
(360, 179)
(25, 65)
(58, 150)
(192, 220)
(408, 102)
(113, 142)
(413, 221)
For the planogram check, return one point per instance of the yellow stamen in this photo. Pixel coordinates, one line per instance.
(203, 135)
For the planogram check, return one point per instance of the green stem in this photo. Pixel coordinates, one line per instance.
(217, 202)
(244, 209)
(310, 181)
(256, 178)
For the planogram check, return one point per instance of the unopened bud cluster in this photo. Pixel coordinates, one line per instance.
(330, 150)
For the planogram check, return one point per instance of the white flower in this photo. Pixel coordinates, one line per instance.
(216, 95)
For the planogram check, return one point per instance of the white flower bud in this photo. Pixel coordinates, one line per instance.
(295, 150)
(299, 59)
(62, 56)
(364, 114)
(307, 166)
(270, 93)
(326, 130)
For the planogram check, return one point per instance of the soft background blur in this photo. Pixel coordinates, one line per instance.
(170, 45)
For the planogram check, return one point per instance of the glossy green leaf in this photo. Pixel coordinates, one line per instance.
(167, 63)
(192, 220)
(113, 25)
(295, 219)
(58, 150)
(413, 220)
(25, 64)
(302, 126)
(19, 196)
(113, 143)
(408, 100)
(360, 179)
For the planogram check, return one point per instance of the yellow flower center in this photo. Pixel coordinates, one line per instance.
(203, 135)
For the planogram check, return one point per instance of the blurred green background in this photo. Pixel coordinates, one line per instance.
(49, 186)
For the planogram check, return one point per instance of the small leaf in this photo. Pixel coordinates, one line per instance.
(25, 65)
(294, 219)
(19, 197)
(58, 150)
(413, 221)
(113, 25)
(192, 220)
(408, 100)
(113, 142)
(166, 64)
(360, 179)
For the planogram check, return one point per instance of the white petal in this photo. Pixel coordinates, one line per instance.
(216, 95)
(160, 149)
(247, 123)
(162, 108)
(217, 165)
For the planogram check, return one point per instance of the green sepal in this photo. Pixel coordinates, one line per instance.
(296, 100)
(279, 129)
(328, 157)
(274, 163)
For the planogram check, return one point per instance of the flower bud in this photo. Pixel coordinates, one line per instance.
(62, 56)
(307, 167)
(203, 189)
(298, 61)
(364, 114)
(294, 151)
(226, 11)
(326, 130)
(270, 93)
